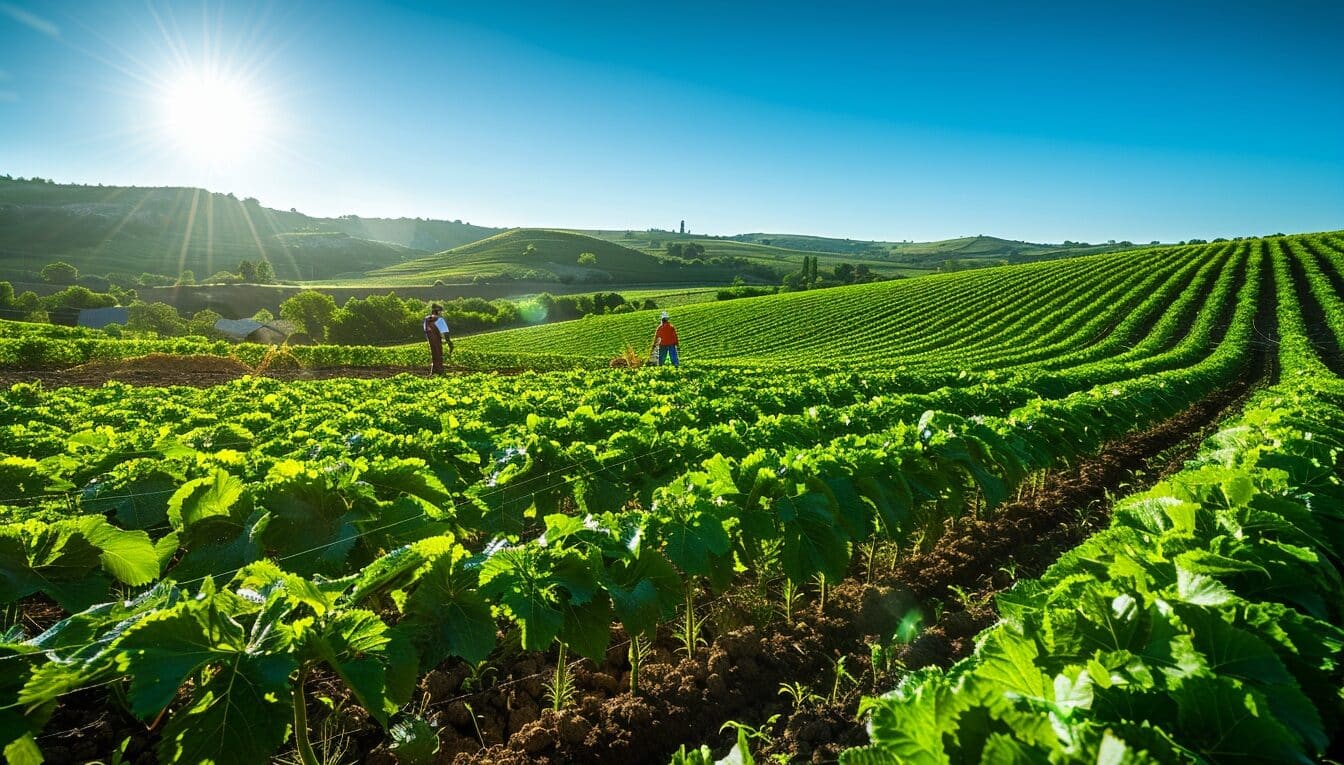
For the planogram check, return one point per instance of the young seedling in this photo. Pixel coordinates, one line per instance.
(746, 734)
(475, 725)
(560, 691)
(638, 652)
(691, 625)
(478, 676)
(788, 602)
(798, 694)
(841, 676)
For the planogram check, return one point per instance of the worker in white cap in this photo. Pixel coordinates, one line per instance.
(665, 340)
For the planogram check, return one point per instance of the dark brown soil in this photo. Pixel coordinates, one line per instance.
(198, 371)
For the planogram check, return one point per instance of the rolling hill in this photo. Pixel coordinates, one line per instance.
(547, 255)
(117, 229)
(768, 255)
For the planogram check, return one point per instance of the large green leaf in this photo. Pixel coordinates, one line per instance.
(204, 498)
(375, 661)
(314, 515)
(127, 555)
(521, 581)
(446, 615)
(644, 591)
(220, 545)
(1227, 722)
(813, 541)
(693, 537)
(161, 651)
(239, 717)
(587, 627)
(57, 559)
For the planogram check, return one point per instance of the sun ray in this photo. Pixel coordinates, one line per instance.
(98, 250)
(247, 216)
(186, 236)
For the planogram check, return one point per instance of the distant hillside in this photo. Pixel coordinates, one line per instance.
(780, 258)
(932, 253)
(103, 229)
(531, 254)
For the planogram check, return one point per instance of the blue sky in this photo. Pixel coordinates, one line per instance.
(1042, 121)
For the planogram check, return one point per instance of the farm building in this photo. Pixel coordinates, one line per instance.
(253, 331)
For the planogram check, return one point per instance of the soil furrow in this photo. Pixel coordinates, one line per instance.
(738, 677)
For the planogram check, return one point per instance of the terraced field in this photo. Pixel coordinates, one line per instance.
(607, 565)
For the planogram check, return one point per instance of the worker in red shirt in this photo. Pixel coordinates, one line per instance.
(665, 341)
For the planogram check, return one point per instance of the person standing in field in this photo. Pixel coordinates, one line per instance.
(665, 340)
(436, 332)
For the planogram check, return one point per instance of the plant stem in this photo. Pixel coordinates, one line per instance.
(634, 654)
(301, 742)
(690, 629)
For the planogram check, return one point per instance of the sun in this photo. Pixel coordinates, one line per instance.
(213, 117)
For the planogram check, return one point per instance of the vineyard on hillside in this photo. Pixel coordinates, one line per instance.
(807, 523)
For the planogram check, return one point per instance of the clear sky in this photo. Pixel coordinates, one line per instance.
(1031, 120)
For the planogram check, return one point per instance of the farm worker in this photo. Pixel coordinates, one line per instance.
(436, 331)
(665, 340)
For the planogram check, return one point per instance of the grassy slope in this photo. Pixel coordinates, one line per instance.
(555, 256)
(963, 247)
(165, 230)
(781, 258)
(822, 322)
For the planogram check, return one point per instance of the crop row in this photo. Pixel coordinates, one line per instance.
(1202, 626)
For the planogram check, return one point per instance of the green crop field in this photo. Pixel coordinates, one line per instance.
(909, 322)
(1105, 490)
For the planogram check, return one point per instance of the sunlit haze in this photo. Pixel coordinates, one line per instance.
(212, 118)
(1042, 121)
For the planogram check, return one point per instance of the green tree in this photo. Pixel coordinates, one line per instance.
(844, 273)
(265, 273)
(263, 315)
(311, 311)
(203, 323)
(154, 280)
(587, 259)
(221, 277)
(77, 297)
(28, 301)
(247, 272)
(6, 294)
(376, 319)
(186, 278)
(60, 273)
(159, 318)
